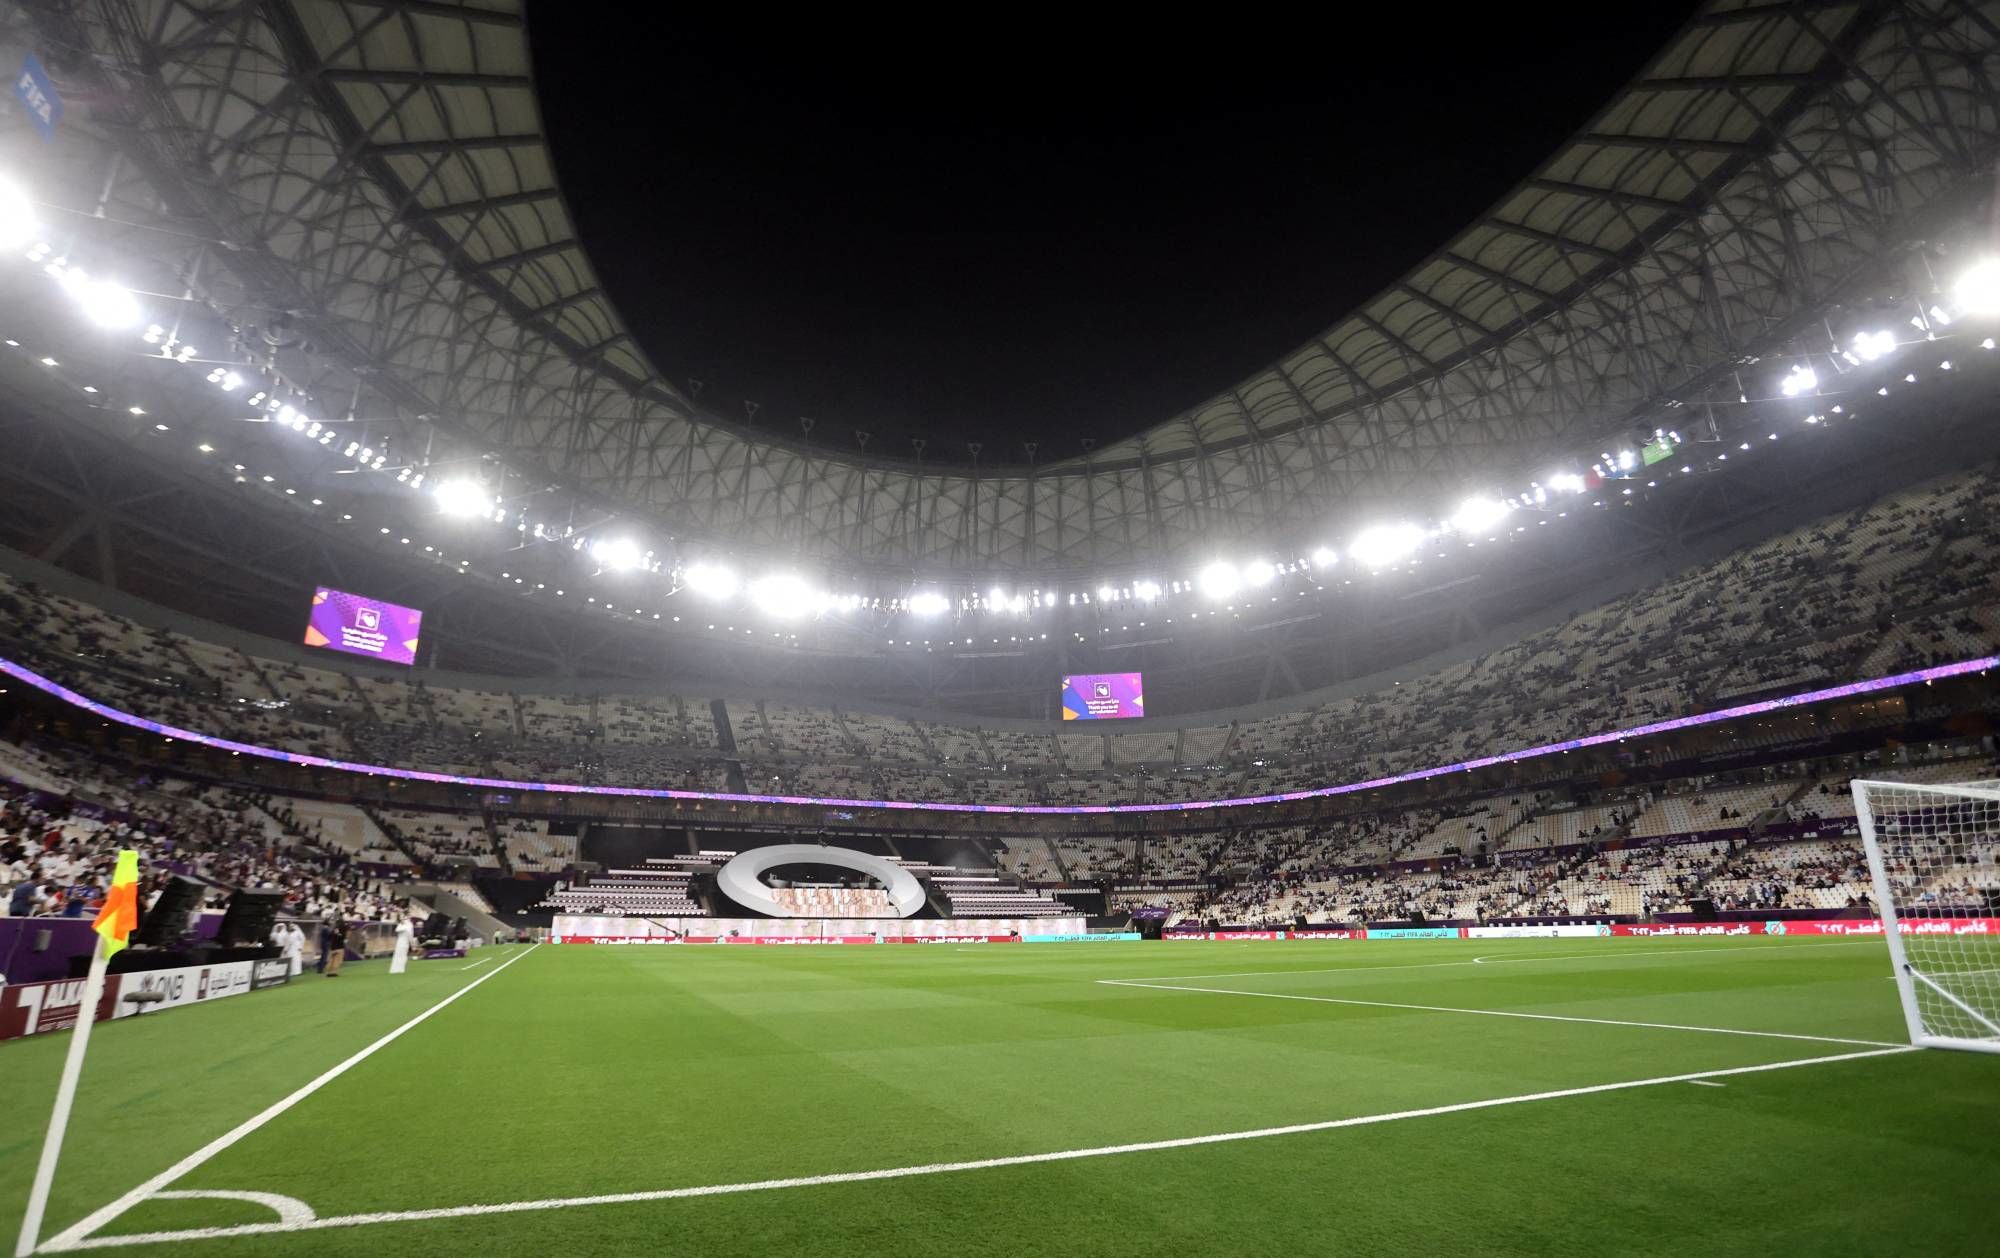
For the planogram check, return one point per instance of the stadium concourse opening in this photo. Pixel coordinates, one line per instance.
(1456, 786)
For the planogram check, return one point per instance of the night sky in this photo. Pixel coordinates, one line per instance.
(1041, 231)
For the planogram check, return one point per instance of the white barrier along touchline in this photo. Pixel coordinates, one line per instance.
(1496, 1013)
(74, 1235)
(943, 1168)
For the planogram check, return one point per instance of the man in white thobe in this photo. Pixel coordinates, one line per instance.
(292, 947)
(404, 935)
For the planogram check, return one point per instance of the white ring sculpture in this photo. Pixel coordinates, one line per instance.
(742, 878)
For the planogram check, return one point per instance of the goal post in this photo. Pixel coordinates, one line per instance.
(1934, 856)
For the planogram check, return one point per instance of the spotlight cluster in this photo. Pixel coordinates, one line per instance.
(620, 550)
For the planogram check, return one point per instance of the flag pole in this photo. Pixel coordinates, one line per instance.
(79, 1040)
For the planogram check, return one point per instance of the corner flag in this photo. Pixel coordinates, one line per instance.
(120, 914)
(114, 925)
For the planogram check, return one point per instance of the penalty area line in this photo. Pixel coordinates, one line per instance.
(1495, 1013)
(78, 1233)
(1494, 958)
(937, 1168)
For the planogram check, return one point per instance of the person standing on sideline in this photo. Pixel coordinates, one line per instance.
(400, 961)
(334, 953)
(294, 948)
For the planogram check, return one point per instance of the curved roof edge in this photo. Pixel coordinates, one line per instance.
(378, 167)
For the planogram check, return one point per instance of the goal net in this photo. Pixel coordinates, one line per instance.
(1932, 850)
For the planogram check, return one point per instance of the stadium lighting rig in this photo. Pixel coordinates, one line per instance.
(463, 498)
(1385, 544)
(1477, 515)
(1218, 580)
(105, 303)
(786, 596)
(710, 580)
(1972, 297)
(1977, 290)
(18, 224)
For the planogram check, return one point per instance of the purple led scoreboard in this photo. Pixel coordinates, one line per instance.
(364, 626)
(1103, 696)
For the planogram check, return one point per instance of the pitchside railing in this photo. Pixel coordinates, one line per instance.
(1934, 853)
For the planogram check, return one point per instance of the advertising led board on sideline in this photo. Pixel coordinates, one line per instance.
(367, 627)
(29, 677)
(1103, 696)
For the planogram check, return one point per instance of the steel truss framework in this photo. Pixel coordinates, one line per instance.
(374, 171)
(82, 490)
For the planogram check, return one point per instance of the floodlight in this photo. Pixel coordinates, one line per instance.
(1219, 579)
(17, 217)
(1259, 572)
(104, 303)
(1978, 290)
(1800, 379)
(1872, 345)
(1476, 515)
(1146, 591)
(929, 603)
(464, 498)
(1105, 593)
(1385, 544)
(1324, 557)
(710, 580)
(1567, 482)
(618, 554)
(782, 595)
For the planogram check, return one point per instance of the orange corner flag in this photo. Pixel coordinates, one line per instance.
(120, 914)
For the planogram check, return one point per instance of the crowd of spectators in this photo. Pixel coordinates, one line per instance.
(57, 853)
(1906, 581)
(1793, 847)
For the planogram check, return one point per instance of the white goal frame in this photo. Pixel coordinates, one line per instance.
(1907, 976)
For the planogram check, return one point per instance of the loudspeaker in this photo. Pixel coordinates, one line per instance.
(247, 922)
(163, 925)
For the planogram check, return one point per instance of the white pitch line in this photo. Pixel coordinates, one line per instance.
(1707, 1083)
(934, 1168)
(476, 964)
(1490, 959)
(98, 1218)
(1497, 1013)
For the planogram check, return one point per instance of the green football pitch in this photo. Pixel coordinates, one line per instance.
(1537, 1097)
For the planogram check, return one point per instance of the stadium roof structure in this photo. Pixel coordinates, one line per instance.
(369, 182)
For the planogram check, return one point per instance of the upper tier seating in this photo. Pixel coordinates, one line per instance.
(1906, 581)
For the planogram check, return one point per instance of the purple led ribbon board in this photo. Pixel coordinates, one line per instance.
(1103, 696)
(368, 627)
(1848, 691)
